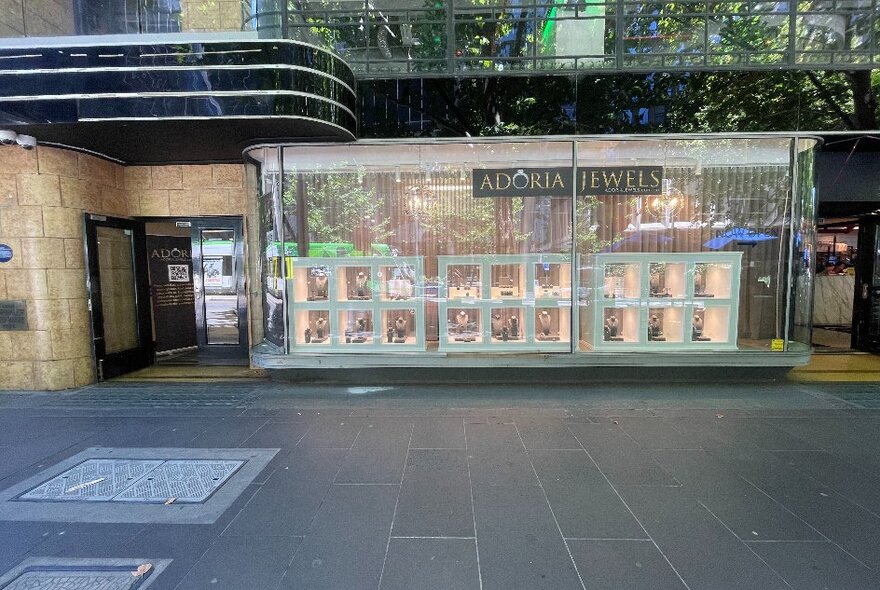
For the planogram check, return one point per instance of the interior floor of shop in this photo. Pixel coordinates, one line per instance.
(659, 485)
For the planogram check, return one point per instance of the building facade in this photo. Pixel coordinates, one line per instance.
(186, 176)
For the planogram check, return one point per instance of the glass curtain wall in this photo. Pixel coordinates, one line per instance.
(589, 246)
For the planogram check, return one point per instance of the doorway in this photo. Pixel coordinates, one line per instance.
(197, 290)
(118, 295)
(837, 247)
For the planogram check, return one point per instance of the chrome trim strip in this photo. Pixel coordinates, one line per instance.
(232, 93)
(222, 117)
(151, 39)
(175, 68)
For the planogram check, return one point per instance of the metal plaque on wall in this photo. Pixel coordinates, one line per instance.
(13, 316)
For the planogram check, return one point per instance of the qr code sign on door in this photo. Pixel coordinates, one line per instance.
(178, 273)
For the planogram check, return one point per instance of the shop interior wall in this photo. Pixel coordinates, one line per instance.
(43, 195)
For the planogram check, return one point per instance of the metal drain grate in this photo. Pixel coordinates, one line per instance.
(73, 580)
(95, 480)
(186, 481)
(47, 573)
(136, 480)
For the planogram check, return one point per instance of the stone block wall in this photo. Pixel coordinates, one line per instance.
(36, 18)
(43, 195)
(211, 15)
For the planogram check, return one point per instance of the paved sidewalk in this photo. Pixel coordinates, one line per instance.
(740, 486)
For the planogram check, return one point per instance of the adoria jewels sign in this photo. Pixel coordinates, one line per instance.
(556, 182)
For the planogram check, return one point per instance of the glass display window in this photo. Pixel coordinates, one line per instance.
(621, 324)
(507, 324)
(398, 282)
(356, 327)
(552, 324)
(355, 283)
(666, 279)
(508, 281)
(314, 327)
(464, 281)
(712, 280)
(552, 280)
(711, 324)
(400, 326)
(665, 324)
(622, 280)
(463, 325)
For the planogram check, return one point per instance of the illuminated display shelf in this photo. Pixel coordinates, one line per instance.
(659, 301)
(505, 303)
(357, 304)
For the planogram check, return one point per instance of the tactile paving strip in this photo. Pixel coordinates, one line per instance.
(185, 481)
(95, 480)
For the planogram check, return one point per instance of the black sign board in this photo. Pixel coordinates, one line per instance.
(171, 288)
(557, 182)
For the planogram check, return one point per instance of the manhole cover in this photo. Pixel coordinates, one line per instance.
(44, 573)
(96, 480)
(47, 580)
(186, 481)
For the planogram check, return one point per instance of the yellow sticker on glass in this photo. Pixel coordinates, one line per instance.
(777, 345)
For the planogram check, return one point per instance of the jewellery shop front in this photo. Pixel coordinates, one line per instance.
(672, 250)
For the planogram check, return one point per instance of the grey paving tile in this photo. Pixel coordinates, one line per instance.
(702, 550)
(378, 454)
(854, 528)
(566, 467)
(335, 433)
(657, 433)
(438, 433)
(65, 544)
(816, 566)
(584, 503)
(228, 432)
(762, 433)
(431, 564)
(492, 437)
(511, 468)
(592, 511)
(234, 563)
(519, 544)
(630, 565)
(859, 485)
(435, 499)
(748, 511)
(286, 504)
(619, 458)
(284, 435)
(184, 544)
(546, 434)
(18, 538)
(346, 544)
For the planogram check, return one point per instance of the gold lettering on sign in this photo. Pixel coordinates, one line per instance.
(557, 181)
(487, 183)
(614, 177)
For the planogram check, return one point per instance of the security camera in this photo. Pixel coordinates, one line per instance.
(7, 137)
(28, 142)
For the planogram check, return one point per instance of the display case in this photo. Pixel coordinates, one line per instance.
(658, 301)
(505, 303)
(356, 304)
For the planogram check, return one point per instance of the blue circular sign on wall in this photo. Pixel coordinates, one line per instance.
(5, 253)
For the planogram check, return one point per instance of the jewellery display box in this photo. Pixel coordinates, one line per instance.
(505, 303)
(659, 301)
(357, 304)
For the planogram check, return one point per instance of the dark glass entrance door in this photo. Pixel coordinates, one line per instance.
(866, 299)
(218, 281)
(119, 295)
